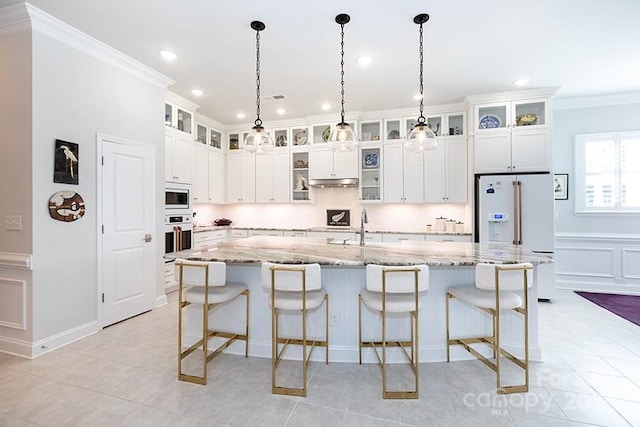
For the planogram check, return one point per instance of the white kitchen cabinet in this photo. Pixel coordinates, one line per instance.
(512, 136)
(327, 164)
(370, 173)
(208, 238)
(274, 233)
(402, 175)
(178, 117)
(200, 173)
(241, 178)
(300, 175)
(238, 234)
(170, 283)
(272, 177)
(448, 238)
(347, 235)
(178, 157)
(445, 171)
(217, 177)
(293, 233)
(402, 237)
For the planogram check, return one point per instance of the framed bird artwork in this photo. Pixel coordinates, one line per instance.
(66, 164)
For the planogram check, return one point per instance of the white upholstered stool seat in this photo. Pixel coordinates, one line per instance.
(205, 284)
(482, 298)
(217, 295)
(495, 293)
(394, 289)
(294, 288)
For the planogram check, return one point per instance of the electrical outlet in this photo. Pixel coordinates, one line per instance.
(13, 222)
(335, 319)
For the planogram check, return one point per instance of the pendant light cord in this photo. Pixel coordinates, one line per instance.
(421, 119)
(342, 71)
(258, 122)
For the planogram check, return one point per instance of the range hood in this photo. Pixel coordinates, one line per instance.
(334, 182)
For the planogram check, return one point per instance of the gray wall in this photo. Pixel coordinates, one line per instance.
(567, 124)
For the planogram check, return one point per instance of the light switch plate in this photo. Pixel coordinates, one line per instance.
(13, 222)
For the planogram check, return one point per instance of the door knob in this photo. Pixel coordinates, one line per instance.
(148, 238)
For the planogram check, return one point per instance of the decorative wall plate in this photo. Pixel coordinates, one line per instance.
(489, 121)
(66, 206)
(370, 160)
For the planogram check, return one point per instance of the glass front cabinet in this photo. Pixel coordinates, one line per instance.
(370, 174)
(300, 176)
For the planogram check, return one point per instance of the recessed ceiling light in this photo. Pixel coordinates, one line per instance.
(326, 107)
(521, 81)
(197, 92)
(281, 111)
(365, 60)
(240, 115)
(417, 96)
(168, 55)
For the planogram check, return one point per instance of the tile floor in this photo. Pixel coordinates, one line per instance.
(125, 376)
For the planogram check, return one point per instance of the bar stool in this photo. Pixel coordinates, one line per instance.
(394, 290)
(495, 293)
(294, 288)
(204, 283)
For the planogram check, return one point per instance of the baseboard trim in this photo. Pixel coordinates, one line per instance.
(56, 341)
(605, 288)
(161, 300)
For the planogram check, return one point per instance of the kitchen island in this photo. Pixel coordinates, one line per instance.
(343, 275)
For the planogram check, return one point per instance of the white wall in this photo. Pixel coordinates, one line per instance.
(410, 217)
(15, 187)
(594, 252)
(75, 97)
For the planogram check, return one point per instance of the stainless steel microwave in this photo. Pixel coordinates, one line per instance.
(177, 197)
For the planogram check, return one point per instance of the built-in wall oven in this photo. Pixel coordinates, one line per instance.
(178, 232)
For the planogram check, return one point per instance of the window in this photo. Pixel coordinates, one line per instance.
(608, 172)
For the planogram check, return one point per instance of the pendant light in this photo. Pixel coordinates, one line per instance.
(258, 140)
(421, 137)
(342, 138)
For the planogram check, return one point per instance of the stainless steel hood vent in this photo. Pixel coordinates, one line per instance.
(334, 182)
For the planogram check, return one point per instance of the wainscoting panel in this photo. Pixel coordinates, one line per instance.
(13, 303)
(598, 262)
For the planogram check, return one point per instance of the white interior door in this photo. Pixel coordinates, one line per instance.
(128, 267)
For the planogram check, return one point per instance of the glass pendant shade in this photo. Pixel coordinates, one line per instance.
(421, 139)
(258, 141)
(343, 138)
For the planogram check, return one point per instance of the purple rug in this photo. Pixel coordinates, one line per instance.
(625, 306)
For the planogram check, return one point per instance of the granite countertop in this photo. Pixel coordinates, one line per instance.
(203, 228)
(301, 251)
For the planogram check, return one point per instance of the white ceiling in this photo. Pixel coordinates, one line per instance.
(585, 47)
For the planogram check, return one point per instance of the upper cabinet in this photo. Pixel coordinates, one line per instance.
(371, 173)
(178, 157)
(241, 178)
(300, 176)
(445, 171)
(178, 117)
(403, 175)
(512, 136)
(272, 177)
(325, 163)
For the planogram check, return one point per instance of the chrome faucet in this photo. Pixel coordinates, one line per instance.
(363, 220)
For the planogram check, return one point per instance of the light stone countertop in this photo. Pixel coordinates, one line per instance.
(291, 250)
(201, 228)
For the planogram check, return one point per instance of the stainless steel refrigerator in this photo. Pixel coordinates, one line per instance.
(519, 210)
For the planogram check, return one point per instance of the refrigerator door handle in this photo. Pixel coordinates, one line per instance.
(515, 210)
(520, 237)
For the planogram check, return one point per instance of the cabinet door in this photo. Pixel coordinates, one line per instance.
(201, 174)
(413, 179)
(531, 151)
(280, 183)
(264, 178)
(183, 157)
(392, 176)
(321, 164)
(345, 165)
(217, 177)
(241, 177)
(492, 153)
(455, 177)
(434, 174)
(169, 148)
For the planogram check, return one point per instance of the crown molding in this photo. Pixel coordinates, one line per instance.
(14, 18)
(546, 92)
(596, 101)
(174, 98)
(64, 33)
